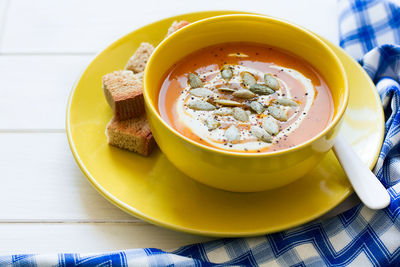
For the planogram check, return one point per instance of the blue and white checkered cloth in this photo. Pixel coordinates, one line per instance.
(359, 236)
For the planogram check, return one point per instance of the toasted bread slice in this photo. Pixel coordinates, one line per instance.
(124, 92)
(176, 26)
(138, 61)
(133, 135)
(139, 76)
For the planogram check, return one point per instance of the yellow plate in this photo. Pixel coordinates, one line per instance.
(154, 190)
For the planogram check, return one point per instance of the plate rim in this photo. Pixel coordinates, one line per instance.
(138, 214)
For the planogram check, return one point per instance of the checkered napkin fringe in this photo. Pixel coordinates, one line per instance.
(359, 236)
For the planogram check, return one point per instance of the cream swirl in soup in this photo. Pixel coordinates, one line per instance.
(245, 98)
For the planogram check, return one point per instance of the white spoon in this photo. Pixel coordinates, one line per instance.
(365, 184)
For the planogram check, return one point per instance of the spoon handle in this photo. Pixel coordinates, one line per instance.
(368, 188)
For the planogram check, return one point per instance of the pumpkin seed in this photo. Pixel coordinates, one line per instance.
(271, 82)
(226, 102)
(240, 114)
(270, 125)
(257, 107)
(286, 102)
(232, 134)
(225, 89)
(261, 134)
(201, 92)
(248, 79)
(211, 123)
(226, 73)
(194, 81)
(198, 104)
(244, 93)
(277, 113)
(223, 111)
(261, 89)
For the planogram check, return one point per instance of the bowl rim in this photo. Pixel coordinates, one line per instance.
(336, 118)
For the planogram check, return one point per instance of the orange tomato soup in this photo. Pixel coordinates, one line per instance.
(283, 117)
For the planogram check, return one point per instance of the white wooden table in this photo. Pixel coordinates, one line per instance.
(46, 203)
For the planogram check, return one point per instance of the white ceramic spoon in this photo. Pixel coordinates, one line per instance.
(365, 184)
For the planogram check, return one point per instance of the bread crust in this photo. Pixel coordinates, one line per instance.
(124, 93)
(133, 135)
(137, 63)
(176, 26)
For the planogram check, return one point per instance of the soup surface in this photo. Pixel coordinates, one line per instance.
(245, 97)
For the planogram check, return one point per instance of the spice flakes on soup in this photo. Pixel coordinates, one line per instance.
(252, 107)
(248, 104)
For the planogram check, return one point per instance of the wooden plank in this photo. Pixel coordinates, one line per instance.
(34, 90)
(3, 12)
(3, 8)
(88, 237)
(72, 26)
(40, 181)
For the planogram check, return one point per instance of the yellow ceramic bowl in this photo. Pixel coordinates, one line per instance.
(233, 171)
